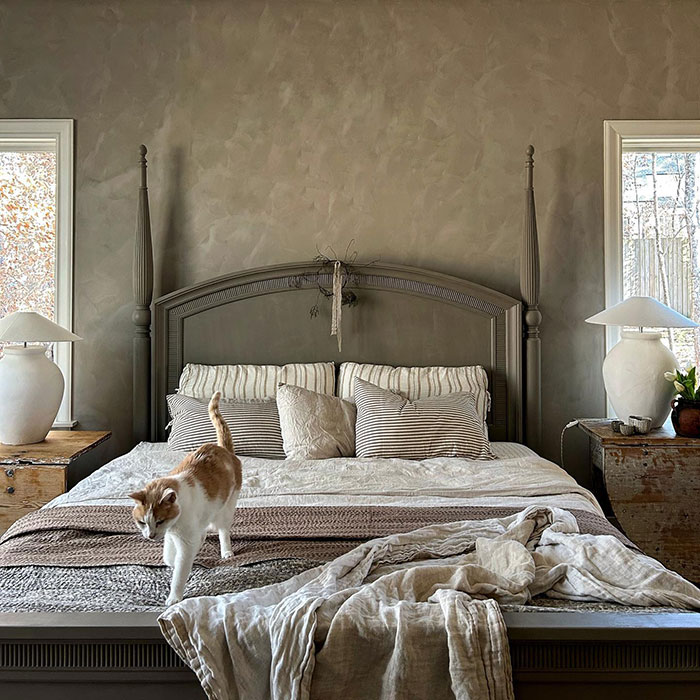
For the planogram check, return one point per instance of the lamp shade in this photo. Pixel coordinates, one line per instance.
(642, 312)
(31, 327)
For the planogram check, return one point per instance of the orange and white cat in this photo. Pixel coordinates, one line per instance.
(199, 495)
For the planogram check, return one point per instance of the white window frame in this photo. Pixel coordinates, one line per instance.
(55, 135)
(637, 135)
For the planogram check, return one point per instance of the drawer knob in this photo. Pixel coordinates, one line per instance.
(10, 472)
(10, 489)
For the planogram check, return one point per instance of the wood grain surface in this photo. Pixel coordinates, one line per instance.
(32, 475)
(60, 447)
(664, 435)
(652, 486)
(23, 489)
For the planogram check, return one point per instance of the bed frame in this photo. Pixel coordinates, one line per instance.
(404, 316)
(265, 313)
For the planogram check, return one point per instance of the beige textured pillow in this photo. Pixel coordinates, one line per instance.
(315, 426)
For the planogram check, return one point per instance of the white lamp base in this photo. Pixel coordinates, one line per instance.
(31, 389)
(633, 372)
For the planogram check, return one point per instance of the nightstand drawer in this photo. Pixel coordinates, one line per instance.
(26, 488)
(32, 475)
(646, 474)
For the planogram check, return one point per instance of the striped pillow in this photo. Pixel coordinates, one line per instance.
(419, 382)
(255, 381)
(389, 425)
(254, 425)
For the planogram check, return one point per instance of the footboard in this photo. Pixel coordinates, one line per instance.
(605, 655)
(614, 655)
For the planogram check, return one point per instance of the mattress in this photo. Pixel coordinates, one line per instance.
(516, 479)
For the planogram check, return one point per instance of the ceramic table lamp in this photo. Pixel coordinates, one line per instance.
(633, 370)
(31, 385)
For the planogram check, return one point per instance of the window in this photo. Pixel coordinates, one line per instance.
(36, 228)
(652, 224)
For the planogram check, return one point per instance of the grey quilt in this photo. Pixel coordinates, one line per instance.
(125, 588)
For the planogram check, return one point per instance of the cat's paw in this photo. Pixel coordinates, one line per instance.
(226, 555)
(172, 599)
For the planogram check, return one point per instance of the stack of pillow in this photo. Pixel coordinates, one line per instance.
(290, 411)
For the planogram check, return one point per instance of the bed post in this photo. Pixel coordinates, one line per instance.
(143, 294)
(530, 292)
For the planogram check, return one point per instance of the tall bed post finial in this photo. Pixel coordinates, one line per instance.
(530, 292)
(143, 295)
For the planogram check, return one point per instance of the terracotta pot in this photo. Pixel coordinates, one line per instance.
(685, 417)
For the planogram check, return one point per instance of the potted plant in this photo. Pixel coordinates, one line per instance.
(685, 414)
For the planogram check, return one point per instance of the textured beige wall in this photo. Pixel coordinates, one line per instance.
(276, 127)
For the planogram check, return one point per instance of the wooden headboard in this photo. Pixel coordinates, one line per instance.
(404, 316)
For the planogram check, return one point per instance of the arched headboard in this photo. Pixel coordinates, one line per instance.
(404, 316)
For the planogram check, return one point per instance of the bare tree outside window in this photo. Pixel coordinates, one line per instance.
(27, 232)
(660, 238)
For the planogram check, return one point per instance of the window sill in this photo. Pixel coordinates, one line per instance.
(64, 425)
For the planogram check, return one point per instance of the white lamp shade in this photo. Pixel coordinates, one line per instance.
(31, 327)
(642, 312)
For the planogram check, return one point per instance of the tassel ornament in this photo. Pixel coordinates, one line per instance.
(337, 305)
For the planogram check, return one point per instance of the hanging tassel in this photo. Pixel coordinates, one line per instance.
(337, 307)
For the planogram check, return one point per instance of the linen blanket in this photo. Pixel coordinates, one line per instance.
(518, 479)
(410, 615)
(87, 536)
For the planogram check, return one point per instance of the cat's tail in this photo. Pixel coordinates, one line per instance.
(223, 434)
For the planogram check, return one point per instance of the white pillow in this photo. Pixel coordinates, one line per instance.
(315, 426)
(255, 381)
(419, 382)
(392, 426)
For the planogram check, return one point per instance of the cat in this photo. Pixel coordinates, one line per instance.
(198, 496)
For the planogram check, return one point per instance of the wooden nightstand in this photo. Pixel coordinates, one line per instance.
(31, 475)
(652, 485)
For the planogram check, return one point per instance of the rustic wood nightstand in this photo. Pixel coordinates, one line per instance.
(652, 486)
(31, 475)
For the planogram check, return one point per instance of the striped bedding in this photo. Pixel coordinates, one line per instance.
(255, 381)
(254, 423)
(418, 382)
(389, 425)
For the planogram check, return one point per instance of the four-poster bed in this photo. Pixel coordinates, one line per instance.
(405, 316)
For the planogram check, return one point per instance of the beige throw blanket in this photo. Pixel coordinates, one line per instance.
(409, 615)
(80, 536)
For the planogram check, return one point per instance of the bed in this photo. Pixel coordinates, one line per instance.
(101, 629)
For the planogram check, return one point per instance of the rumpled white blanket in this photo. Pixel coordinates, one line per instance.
(413, 615)
(518, 478)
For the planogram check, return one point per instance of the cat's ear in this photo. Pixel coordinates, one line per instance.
(169, 496)
(139, 496)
